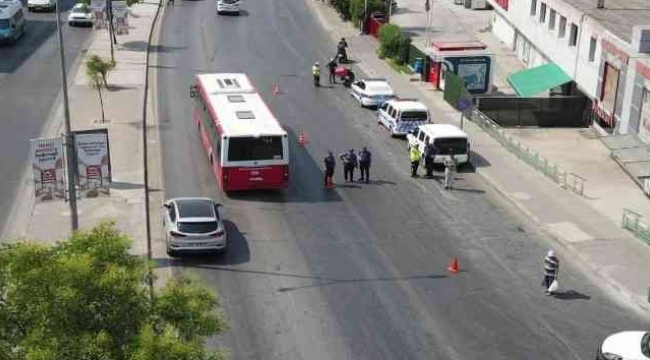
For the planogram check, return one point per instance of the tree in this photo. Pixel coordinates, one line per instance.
(390, 37)
(97, 69)
(88, 298)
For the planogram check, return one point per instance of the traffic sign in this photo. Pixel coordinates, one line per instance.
(464, 104)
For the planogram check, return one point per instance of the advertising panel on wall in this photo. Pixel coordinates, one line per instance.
(93, 162)
(47, 167)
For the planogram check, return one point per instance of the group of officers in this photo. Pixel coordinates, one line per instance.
(351, 160)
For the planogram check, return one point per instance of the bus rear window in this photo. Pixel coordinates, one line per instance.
(446, 145)
(414, 115)
(255, 149)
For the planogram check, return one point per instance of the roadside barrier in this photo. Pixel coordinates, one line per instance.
(560, 176)
(633, 222)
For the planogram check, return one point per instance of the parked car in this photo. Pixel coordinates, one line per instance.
(193, 224)
(227, 6)
(402, 116)
(80, 14)
(48, 5)
(372, 92)
(446, 138)
(12, 20)
(626, 345)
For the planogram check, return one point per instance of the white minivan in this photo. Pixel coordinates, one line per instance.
(227, 7)
(12, 20)
(446, 138)
(402, 116)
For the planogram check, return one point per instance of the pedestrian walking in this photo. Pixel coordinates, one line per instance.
(170, 2)
(330, 164)
(349, 163)
(450, 170)
(332, 68)
(551, 270)
(365, 157)
(429, 158)
(415, 156)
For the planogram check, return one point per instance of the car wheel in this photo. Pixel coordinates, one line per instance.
(392, 131)
(171, 252)
(378, 120)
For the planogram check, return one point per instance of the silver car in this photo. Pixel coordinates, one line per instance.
(80, 14)
(193, 224)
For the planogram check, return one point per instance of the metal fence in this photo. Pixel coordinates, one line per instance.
(557, 111)
(632, 222)
(562, 177)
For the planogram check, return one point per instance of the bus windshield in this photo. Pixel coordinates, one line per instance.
(255, 148)
(446, 145)
(4, 24)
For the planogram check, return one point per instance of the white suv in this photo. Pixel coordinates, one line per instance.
(193, 225)
(48, 5)
(402, 116)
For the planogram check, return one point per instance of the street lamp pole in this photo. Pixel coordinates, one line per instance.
(69, 136)
(365, 17)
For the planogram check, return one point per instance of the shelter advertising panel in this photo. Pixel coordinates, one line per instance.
(93, 162)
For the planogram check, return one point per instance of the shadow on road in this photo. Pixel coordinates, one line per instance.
(14, 55)
(571, 295)
(142, 46)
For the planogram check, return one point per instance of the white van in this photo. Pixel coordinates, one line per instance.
(49, 5)
(12, 20)
(227, 6)
(445, 137)
(402, 116)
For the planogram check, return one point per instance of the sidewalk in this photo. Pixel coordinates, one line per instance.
(585, 228)
(49, 221)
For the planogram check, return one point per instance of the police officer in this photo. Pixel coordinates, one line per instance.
(315, 70)
(365, 157)
(330, 164)
(551, 269)
(415, 156)
(429, 156)
(450, 170)
(349, 163)
(332, 67)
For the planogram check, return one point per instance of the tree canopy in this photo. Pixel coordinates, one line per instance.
(88, 299)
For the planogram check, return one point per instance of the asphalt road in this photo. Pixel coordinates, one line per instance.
(358, 272)
(30, 81)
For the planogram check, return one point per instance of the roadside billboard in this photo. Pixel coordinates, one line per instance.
(93, 162)
(120, 13)
(47, 166)
(98, 8)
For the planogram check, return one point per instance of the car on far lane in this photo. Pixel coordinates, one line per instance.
(626, 345)
(48, 5)
(372, 92)
(80, 14)
(193, 224)
(227, 7)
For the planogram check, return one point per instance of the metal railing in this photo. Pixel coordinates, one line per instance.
(560, 176)
(632, 222)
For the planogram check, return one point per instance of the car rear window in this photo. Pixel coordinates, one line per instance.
(195, 208)
(255, 148)
(198, 227)
(414, 115)
(446, 145)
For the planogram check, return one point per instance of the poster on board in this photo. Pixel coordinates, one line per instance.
(47, 167)
(120, 14)
(98, 8)
(93, 162)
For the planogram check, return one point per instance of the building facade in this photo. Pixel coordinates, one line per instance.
(605, 51)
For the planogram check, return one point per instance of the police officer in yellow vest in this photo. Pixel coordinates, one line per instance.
(415, 156)
(315, 70)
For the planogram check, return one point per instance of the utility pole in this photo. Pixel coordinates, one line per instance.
(69, 136)
(427, 7)
(390, 10)
(365, 17)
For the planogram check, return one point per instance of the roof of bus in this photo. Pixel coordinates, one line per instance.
(245, 114)
(443, 130)
(9, 7)
(226, 83)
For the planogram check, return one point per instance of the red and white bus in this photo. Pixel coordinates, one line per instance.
(246, 145)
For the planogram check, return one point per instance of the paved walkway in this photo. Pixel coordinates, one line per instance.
(585, 229)
(49, 221)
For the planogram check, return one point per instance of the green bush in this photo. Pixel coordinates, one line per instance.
(390, 36)
(403, 51)
(343, 8)
(357, 8)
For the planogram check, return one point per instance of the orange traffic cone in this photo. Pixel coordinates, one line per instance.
(453, 266)
(276, 89)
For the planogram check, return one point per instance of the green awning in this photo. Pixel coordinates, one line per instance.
(535, 81)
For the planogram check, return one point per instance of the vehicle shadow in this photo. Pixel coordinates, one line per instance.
(571, 295)
(306, 179)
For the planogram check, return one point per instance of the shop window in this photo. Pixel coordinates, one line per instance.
(592, 49)
(551, 20)
(542, 13)
(562, 27)
(533, 7)
(573, 35)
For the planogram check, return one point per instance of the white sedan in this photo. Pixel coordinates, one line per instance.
(80, 14)
(193, 224)
(626, 345)
(372, 92)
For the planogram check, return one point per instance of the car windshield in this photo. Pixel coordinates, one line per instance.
(645, 345)
(80, 10)
(198, 227)
(414, 115)
(255, 148)
(447, 145)
(4, 24)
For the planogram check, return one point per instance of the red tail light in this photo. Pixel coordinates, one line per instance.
(176, 234)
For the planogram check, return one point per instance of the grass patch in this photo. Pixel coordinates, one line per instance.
(402, 69)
